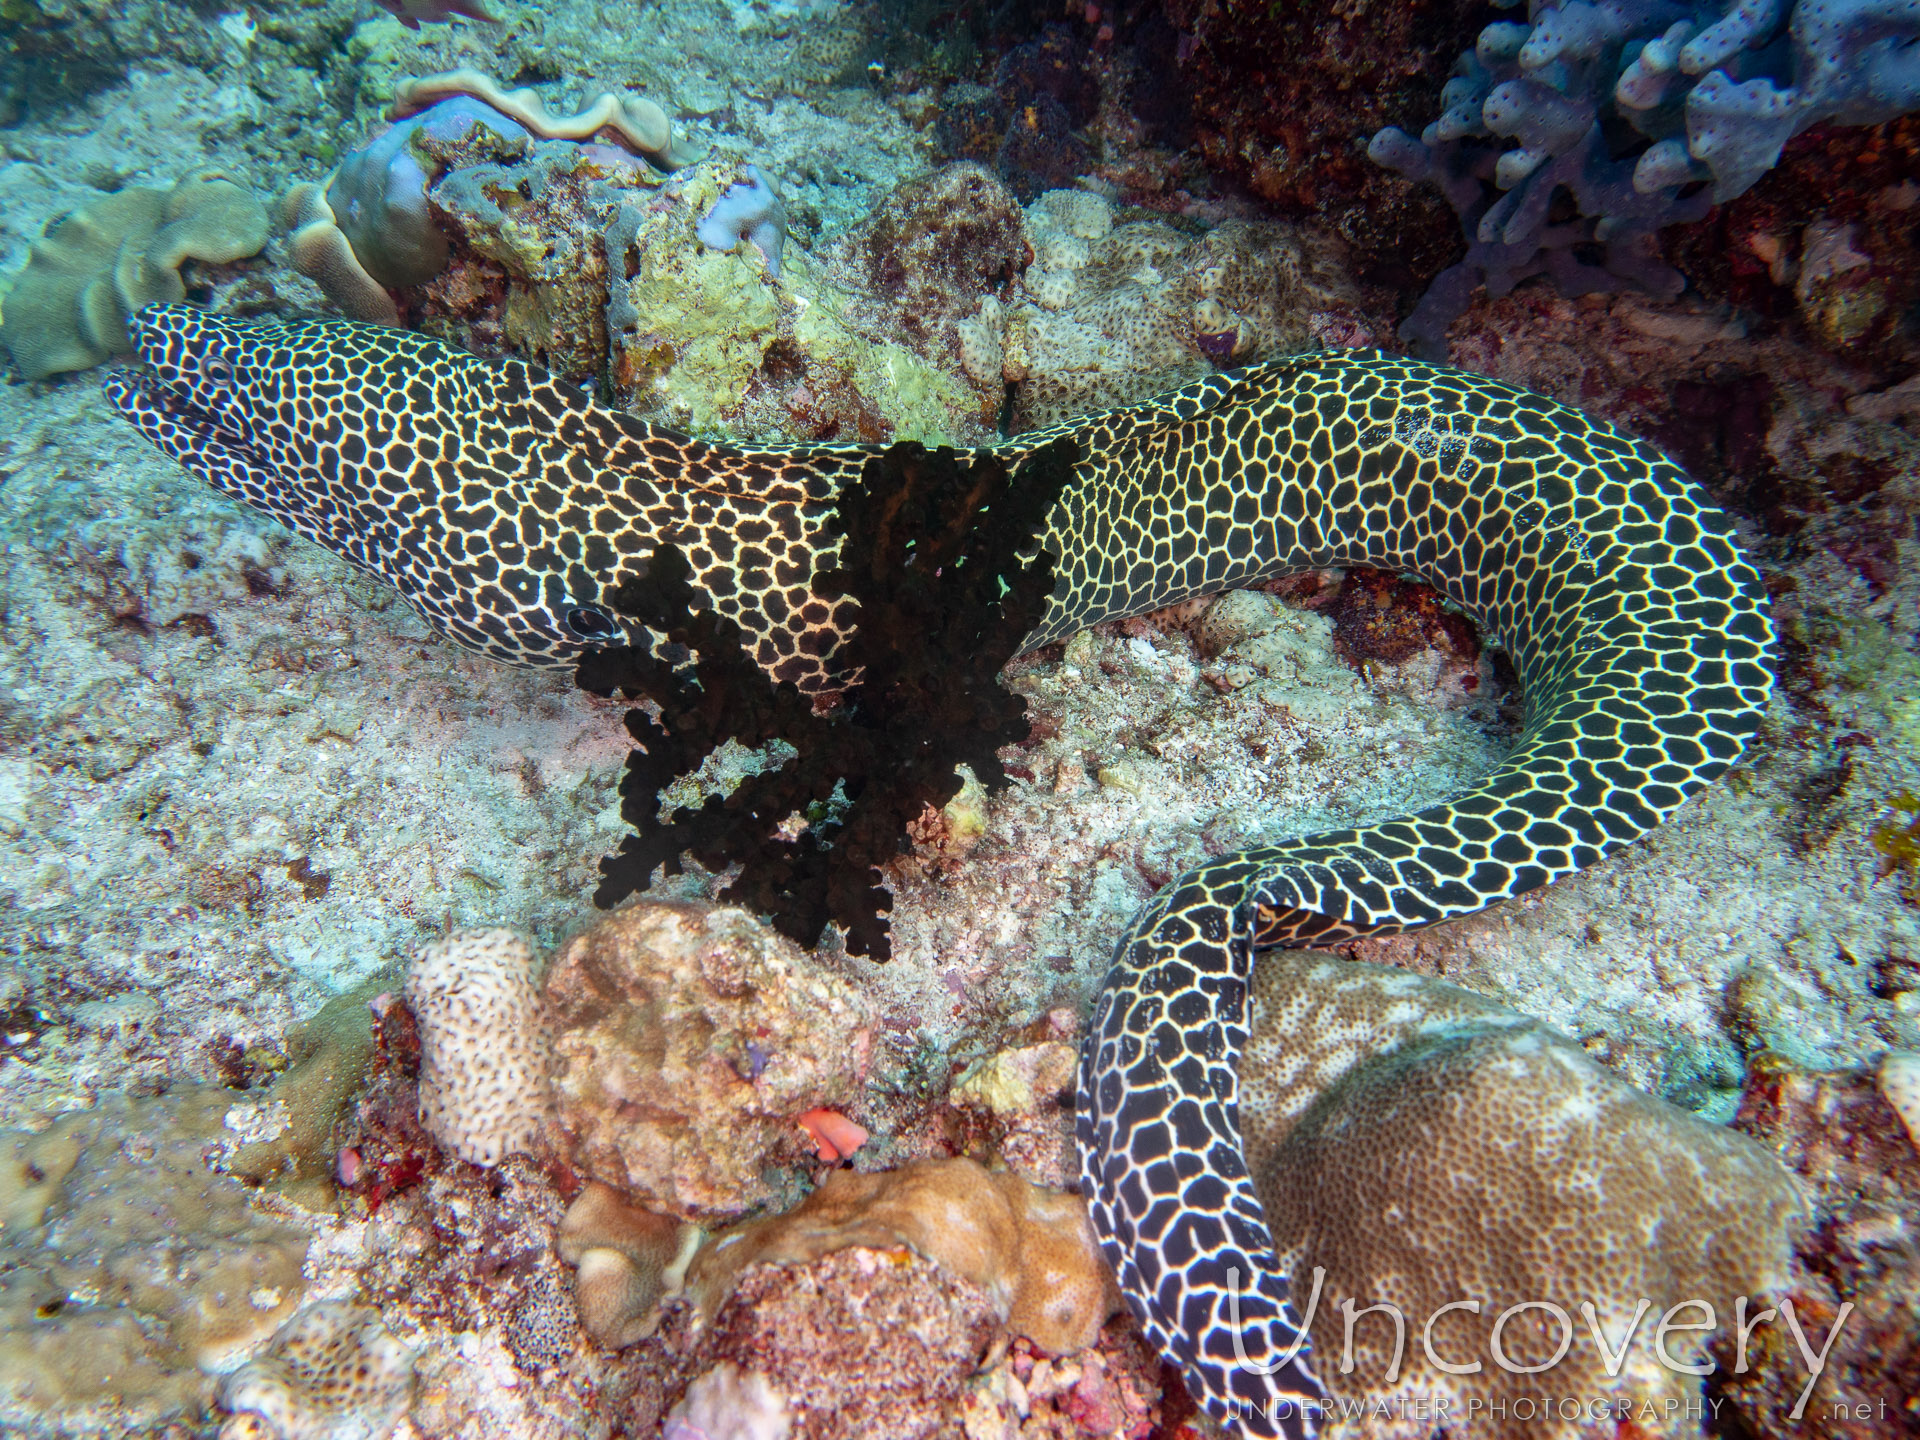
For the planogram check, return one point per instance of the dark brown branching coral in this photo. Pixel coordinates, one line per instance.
(938, 553)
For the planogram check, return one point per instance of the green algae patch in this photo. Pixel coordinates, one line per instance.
(1898, 841)
(296, 1116)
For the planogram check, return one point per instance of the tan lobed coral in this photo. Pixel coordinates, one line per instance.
(1031, 1250)
(68, 309)
(689, 1042)
(627, 1260)
(128, 1262)
(1117, 312)
(485, 1043)
(332, 1372)
(1431, 1149)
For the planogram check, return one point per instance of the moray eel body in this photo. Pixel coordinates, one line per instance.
(506, 507)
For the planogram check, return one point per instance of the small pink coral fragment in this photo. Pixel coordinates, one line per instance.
(834, 1136)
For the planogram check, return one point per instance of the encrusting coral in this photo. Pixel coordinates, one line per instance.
(486, 1046)
(333, 1372)
(689, 1041)
(1031, 1250)
(68, 309)
(129, 1263)
(1429, 1148)
(932, 554)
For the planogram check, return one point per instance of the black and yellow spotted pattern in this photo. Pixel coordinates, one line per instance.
(507, 508)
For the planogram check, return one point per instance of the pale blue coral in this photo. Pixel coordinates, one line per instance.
(1715, 89)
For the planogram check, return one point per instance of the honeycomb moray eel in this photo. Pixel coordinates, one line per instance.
(506, 507)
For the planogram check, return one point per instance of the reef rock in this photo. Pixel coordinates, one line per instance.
(1116, 313)
(689, 1042)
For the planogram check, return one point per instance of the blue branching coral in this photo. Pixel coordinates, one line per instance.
(1647, 112)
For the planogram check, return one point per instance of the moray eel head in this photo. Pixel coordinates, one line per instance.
(493, 498)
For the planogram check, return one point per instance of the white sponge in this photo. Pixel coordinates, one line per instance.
(486, 1046)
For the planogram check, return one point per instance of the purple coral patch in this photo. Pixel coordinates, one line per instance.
(411, 12)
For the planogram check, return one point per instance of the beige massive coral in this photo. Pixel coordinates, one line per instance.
(1515, 1204)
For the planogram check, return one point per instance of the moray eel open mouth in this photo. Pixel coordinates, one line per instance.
(502, 503)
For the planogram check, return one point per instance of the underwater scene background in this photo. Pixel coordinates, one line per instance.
(398, 1041)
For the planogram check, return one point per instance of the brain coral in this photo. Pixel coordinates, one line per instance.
(689, 1043)
(485, 1046)
(68, 308)
(1428, 1147)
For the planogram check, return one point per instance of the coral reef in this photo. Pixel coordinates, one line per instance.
(1118, 313)
(688, 1041)
(486, 1047)
(1711, 93)
(1025, 125)
(944, 598)
(1031, 1251)
(68, 309)
(702, 339)
(927, 258)
(1854, 1274)
(1516, 1173)
(332, 1372)
(855, 1343)
(379, 222)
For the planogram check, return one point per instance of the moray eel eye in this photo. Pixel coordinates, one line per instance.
(593, 622)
